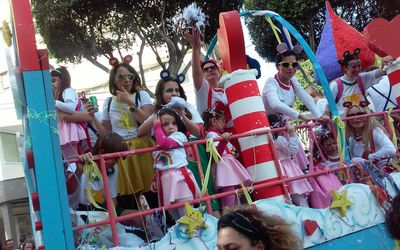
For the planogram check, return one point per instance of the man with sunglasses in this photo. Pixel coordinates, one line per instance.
(206, 77)
(280, 91)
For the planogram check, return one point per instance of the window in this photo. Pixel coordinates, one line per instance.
(10, 147)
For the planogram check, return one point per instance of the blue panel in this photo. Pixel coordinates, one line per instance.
(49, 171)
(373, 238)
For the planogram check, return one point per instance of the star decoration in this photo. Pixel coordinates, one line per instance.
(193, 220)
(341, 202)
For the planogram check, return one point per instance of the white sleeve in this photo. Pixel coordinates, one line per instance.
(106, 105)
(270, 96)
(288, 147)
(196, 118)
(179, 137)
(202, 97)
(212, 135)
(305, 98)
(384, 147)
(369, 78)
(145, 98)
(70, 101)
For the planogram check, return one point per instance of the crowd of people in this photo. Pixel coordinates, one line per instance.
(130, 120)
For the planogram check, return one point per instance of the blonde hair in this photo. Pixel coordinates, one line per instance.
(371, 124)
(314, 91)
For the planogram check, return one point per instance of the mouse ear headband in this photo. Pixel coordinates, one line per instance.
(282, 48)
(115, 63)
(347, 56)
(165, 75)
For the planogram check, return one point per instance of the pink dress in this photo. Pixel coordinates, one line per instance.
(323, 185)
(287, 149)
(229, 171)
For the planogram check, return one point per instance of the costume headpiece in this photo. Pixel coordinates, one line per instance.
(347, 56)
(349, 101)
(166, 76)
(115, 63)
(282, 48)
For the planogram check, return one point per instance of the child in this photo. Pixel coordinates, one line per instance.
(176, 182)
(366, 136)
(105, 144)
(319, 99)
(393, 221)
(326, 156)
(70, 133)
(287, 144)
(229, 172)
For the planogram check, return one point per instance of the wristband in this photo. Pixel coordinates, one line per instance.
(133, 108)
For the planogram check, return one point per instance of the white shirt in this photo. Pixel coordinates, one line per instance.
(70, 101)
(115, 115)
(278, 99)
(217, 95)
(384, 147)
(171, 158)
(379, 101)
(368, 79)
(213, 135)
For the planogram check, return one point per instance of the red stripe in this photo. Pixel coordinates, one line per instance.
(398, 100)
(250, 121)
(268, 192)
(394, 77)
(257, 155)
(236, 92)
(188, 180)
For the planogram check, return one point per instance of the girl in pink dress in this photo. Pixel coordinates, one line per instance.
(287, 144)
(67, 101)
(228, 172)
(174, 182)
(326, 156)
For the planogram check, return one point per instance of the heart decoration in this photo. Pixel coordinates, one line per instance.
(310, 226)
(383, 37)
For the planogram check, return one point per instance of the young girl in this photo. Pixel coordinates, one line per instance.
(326, 156)
(176, 182)
(70, 133)
(366, 136)
(105, 144)
(287, 144)
(229, 172)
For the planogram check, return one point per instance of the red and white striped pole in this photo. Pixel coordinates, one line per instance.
(248, 114)
(393, 72)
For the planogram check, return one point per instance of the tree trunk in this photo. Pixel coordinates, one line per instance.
(97, 64)
(312, 34)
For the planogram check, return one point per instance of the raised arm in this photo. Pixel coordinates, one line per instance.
(197, 73)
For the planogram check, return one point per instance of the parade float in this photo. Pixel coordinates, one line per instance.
(354, 218)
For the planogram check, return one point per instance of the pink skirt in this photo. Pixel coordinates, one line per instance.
(70, 132)
(323, 185)
(291, 169)
(174, 186)
(230, 172)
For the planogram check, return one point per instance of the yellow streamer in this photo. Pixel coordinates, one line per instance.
(391, 126)
(93, 174)
(214, 156)
(274, 28)
(246, 194)
(396, 244)
(340, 137)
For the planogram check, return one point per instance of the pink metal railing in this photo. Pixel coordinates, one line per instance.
(283, 181)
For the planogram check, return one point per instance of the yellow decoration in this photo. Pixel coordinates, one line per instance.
(193, 220)
(341, 202)
(396, 244)
(354, 99)
(93, 174)
(214, 156)
(6, 33)
(340, 126)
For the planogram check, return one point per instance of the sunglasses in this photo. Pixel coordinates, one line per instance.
(362, 104)
(355, 114)
(127, 76)
(294, 65)
(212, 68)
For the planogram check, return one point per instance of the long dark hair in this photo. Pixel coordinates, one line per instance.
(65, 79)
(178, 118)
(109, 144)
(393, 218)
(112, 84)
(159, 93)
(208, 115)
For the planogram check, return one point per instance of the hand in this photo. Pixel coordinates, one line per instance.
(193, 37)
(306, 117)
(226, 135)
(386, 60)
(86, 157)
(91, 109)
(291, 129)
(124, 97)
(181, 111)
(324, 118)
(156, 119)
(153, 187)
